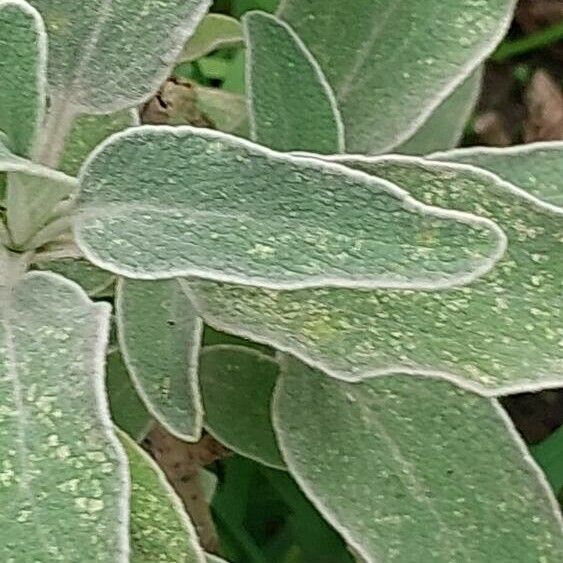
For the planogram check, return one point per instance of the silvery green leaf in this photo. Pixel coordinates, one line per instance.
(237, 385)
(502, 332)
(536, 167)
(392, 63)
(23, 60)
(214, 559)
(160, 528)
(151, 210)
(409, 468)
(214, 32)
(127, 409)
(106, 55)
(291, 105)
(444, 128)
(88, 131)
(92, 280)
(159, 336)
(64, 476)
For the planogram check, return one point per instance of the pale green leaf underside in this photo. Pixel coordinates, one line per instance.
(64, 476)
(160, 529)
(23, 51)
(237, 385)
(291, 105)
(444, 128)
(214, 32)
(106, 55)
(503, 332)
(159, 336)
(412, 469)
(392, 62)
(536, 167)
(152, 209)
(127, 410)
(88, 131)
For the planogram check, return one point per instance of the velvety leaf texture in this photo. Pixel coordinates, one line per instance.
(23, 52)
(502, 333)
(536, 167)
(159, 335)
(106, 55)
(291, 104)
(63, 474)
(413, 469)
(160, 529)
(237, 385)
(151, 209)
(392, 62)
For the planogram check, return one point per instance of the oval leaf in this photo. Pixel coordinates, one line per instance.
(401, 61)
(502, 332)
(415, 469)
(64, 476)
(291, 104)
(237, 385)
(159, 336)
(151, 209)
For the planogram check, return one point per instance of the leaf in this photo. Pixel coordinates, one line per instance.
(402, 60)
(107, 55)
(23, 60)
(127, 410)
(415, 469)
(64, 476)
(444, 128)
(88, 131)
(214, 32)
(501, 333)
(159, 336)
(536, 168)
(152, 210)
(91, 279)
(226, 110)
(214, 559)
(160, 528)
(237, 385)
(291, 104)
(549, 455)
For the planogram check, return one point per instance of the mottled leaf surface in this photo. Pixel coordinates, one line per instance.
(392, 62)
(412, 469)
(160, 528)
(214, 32)
(444, 128)
(291, 105)
(159, 335)
(106, 55)
(151, 209)
(503, 332)
(23, 52)
(237, 385)
(63, 474)
(536, 167)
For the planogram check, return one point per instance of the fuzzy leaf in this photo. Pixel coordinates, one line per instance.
(106, 55)
(291, 104)
(160, 529)
(159, 336)
(444, 128)
(413, 469)
(214, 559)
(152, 210)
(503, 332)
(23, 60)
(64, 476)
(214, 32)
(237, 385)
(127, 409)
(226, 110)
(536, 167)
(401, 60)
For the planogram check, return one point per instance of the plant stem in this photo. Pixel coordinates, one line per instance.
(510, 49)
